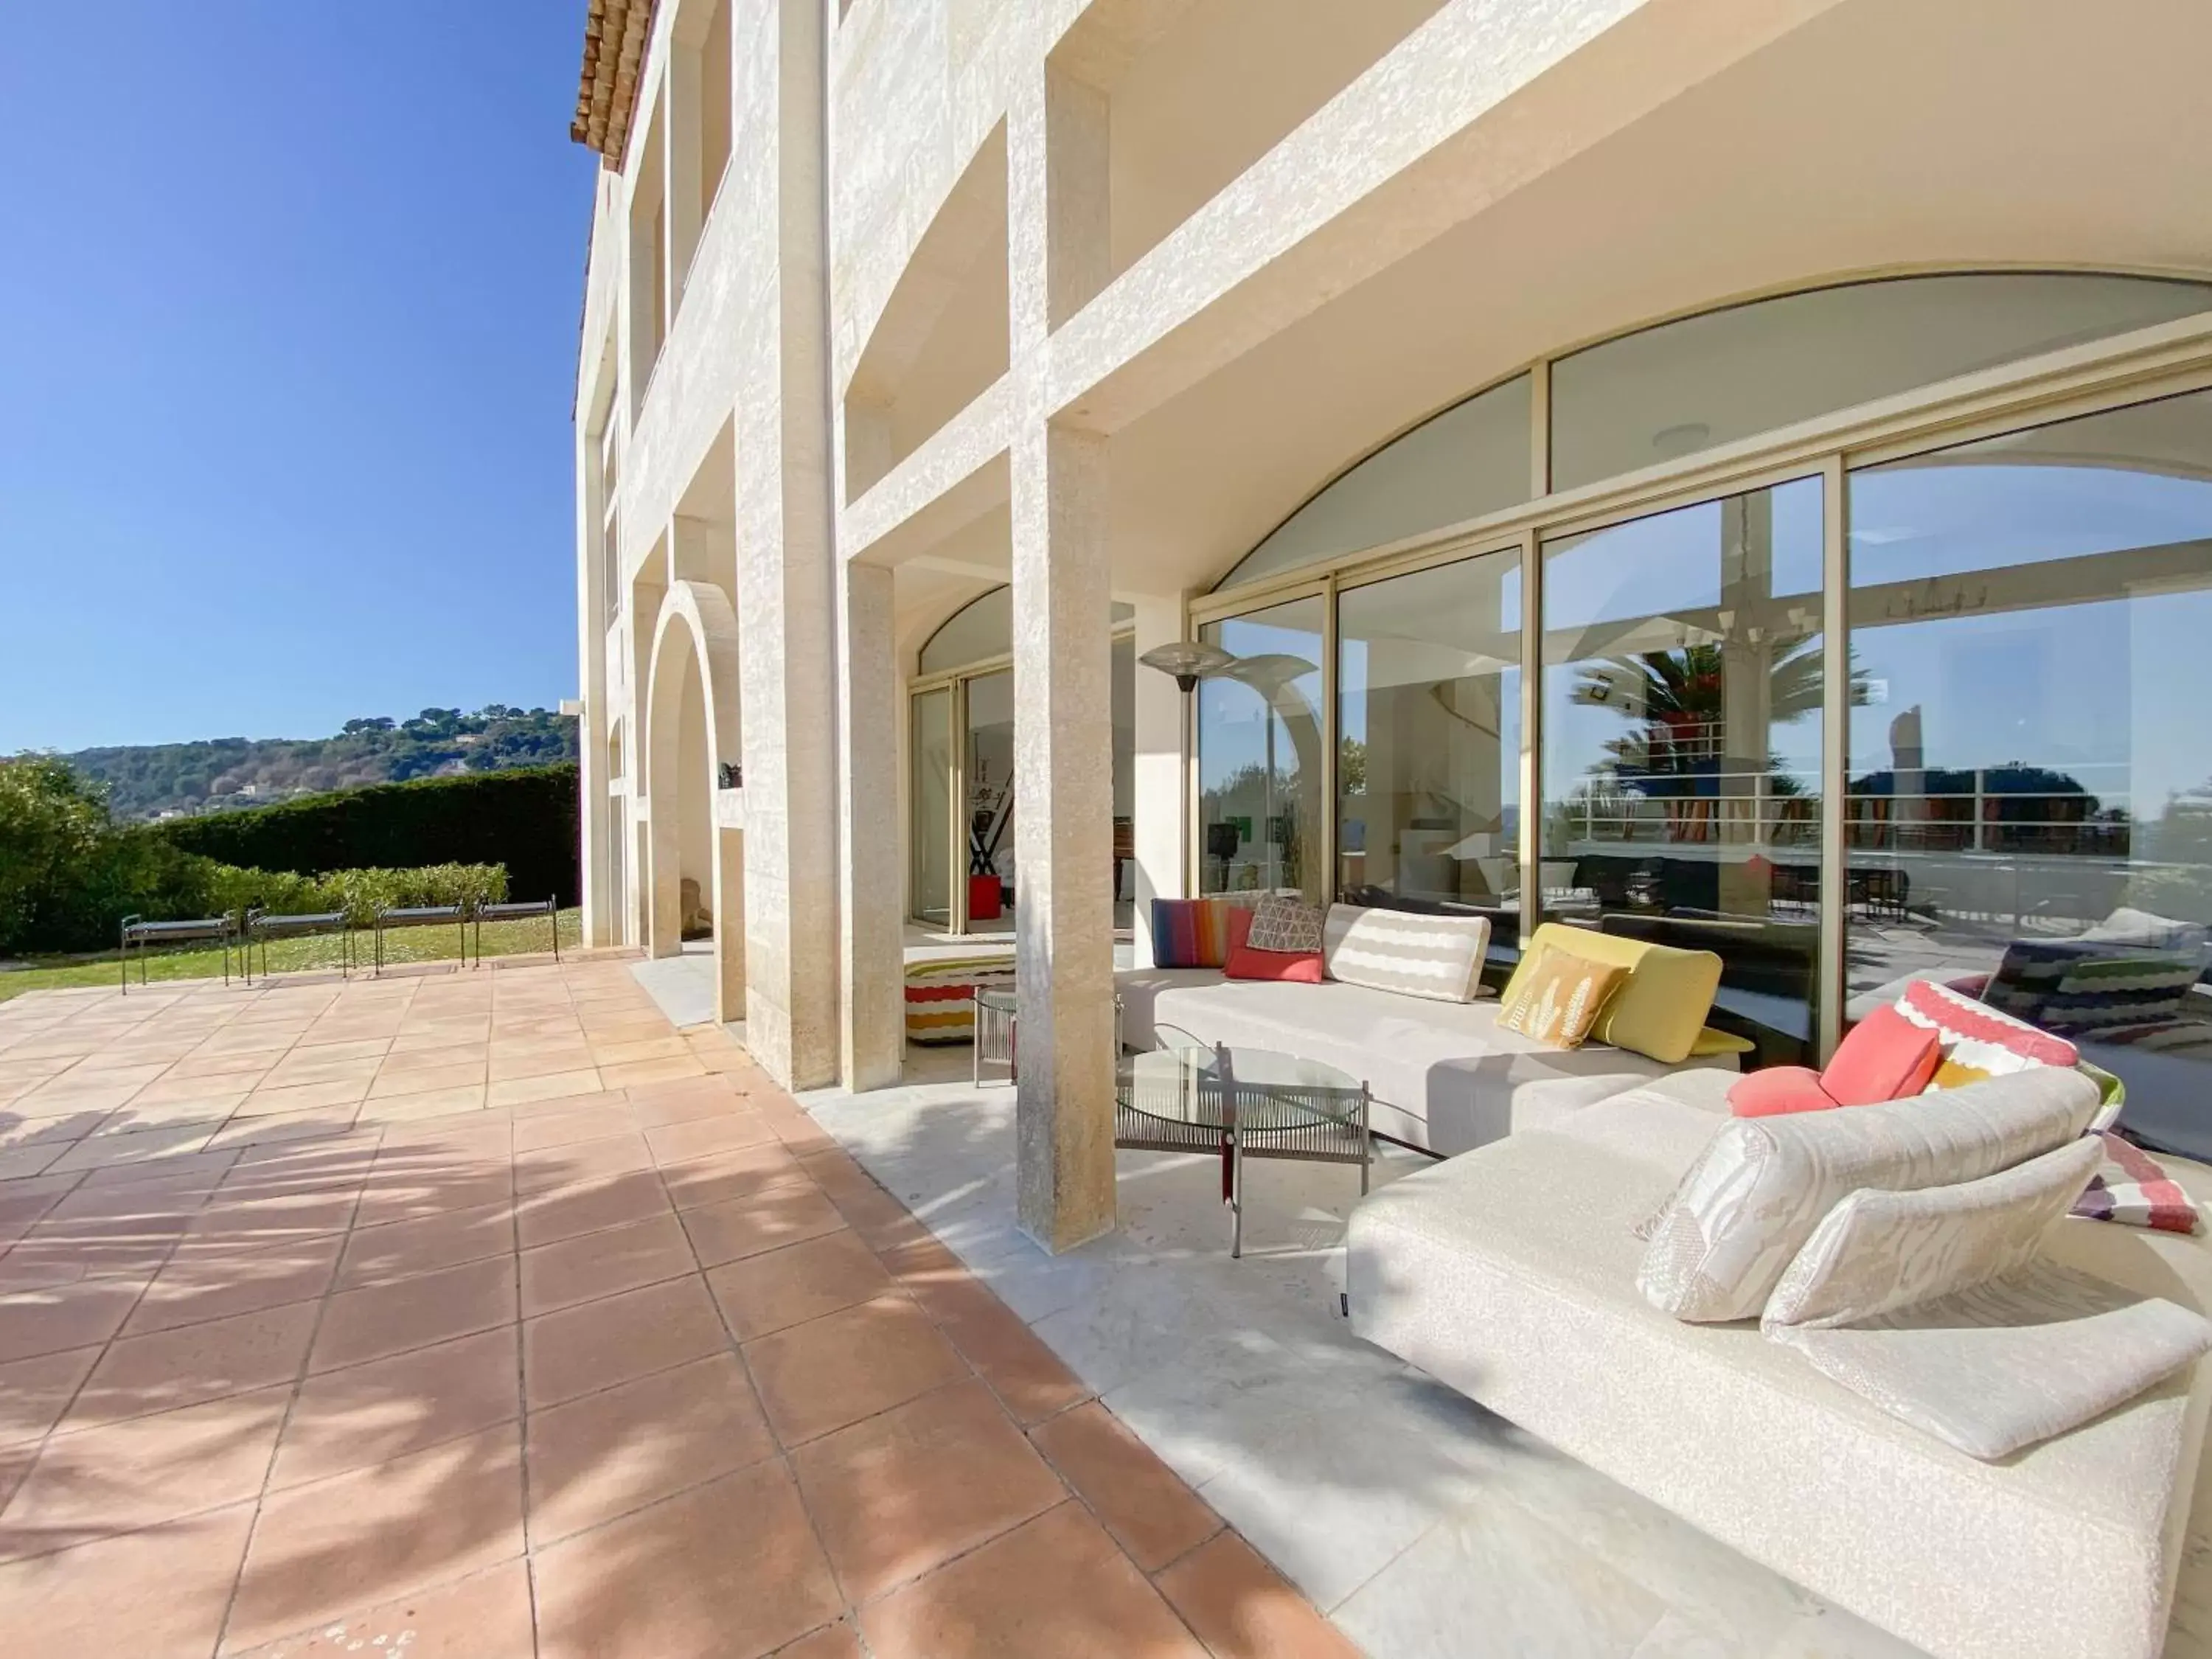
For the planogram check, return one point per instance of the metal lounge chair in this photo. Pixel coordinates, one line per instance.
(136, 932)
(518, 910)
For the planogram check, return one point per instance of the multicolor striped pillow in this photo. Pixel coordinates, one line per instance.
(1198, 933)
(1978, 1042)
(2113, 996)
(939, 1005)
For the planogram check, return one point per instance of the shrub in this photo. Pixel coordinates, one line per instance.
(525, 819)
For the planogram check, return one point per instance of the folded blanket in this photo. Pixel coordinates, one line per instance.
(2132, 1188)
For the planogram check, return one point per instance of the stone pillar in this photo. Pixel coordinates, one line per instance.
(1163, 795)
(872, 1028)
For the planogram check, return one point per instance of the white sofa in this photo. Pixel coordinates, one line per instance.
(1510, 1274)
(1444, 1077)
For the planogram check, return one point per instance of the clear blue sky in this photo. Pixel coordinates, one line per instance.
(289, 302)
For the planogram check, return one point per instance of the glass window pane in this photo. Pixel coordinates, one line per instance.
(1469, 460)
(990, 809)
(2031, 771)
(1681, 767)
(984, 628)
(1428, 769)
(1124, 699)
(930, 838)
(1686, 386)
(1259, 755)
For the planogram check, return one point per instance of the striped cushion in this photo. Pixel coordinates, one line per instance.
(1197, 933)
(1978, 1042)
(938, 1008)
(2029, 973)
(1417, 955)
(2114, 993)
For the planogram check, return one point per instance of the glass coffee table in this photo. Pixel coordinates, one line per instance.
(1235, 1102)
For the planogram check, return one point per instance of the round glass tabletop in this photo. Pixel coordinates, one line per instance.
(1257, 1089)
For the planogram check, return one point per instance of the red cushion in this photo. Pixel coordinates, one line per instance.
(1778, 1089)
(1240, 927)
(1884, 1057)
(1286, 967)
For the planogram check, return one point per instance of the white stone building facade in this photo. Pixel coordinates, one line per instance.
(1549, 406)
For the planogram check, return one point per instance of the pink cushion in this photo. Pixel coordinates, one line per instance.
(1285, 966)
(1778, 1089)
(1884, 1057)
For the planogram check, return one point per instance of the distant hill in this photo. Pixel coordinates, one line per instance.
(152, 781)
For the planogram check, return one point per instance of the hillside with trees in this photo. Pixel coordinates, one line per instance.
(151, 780)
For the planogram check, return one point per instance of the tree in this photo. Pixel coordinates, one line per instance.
(52, 822)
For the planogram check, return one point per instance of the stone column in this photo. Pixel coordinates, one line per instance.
(872, 1028)
(1163, 794)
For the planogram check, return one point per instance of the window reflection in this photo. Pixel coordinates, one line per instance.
(1260, 755)
(1428, 767)
(2030, 804)
(1681, 695)
(930, 838)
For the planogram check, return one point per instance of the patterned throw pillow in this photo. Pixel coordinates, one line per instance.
(1978, 1042)
(2030, 972)
(1283, 923)
(1561, 997)
(2110, 996)
(1414, 953)
(1196, 932)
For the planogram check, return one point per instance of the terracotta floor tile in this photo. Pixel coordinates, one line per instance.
(720, 1177)
(19, 1134)
(321, 1551)
(23, 1202)
(33, 1393)
(402, 1080)
(22, 1163)
(792, 1127)
(155, 1593)
(765, 1221)
(610, 1453)
(1243, 1609)
(370, 1413)
(664, 1047)
(73, 1316)
(728, 1571)
(431, 1189)
(510, 1063)
(285, 1127)
(1152, 1513)
(577, 1083)
(586, 1160)
(179, 1168)
(431, 1102)
(359, 1325)
(164, 1370)
(629, 1073)
(327, 1048)
(542, 1130)
(821, 1375)
(1015, 1361)
(132, 1474)
(674, 1143)
(602, 1263)
(271, 1097)
(599, 1344)
(568, 1212)
(375, 1255)
(193, 1289)
(236, 1220)
(901, 1492)
(839, 1641)
(487, 1616)
(57, 1252)
(764, 1293)
(1057, 1584)
(137, 1146)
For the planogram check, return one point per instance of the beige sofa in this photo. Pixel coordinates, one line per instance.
(1510, 1274)
(1444, 1077)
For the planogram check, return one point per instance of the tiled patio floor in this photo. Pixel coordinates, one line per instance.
(486, 1314)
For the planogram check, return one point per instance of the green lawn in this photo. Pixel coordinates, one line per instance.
(500, 939)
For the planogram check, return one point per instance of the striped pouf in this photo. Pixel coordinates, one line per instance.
(938, 1008)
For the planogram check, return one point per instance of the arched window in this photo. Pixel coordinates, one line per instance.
(981, 629)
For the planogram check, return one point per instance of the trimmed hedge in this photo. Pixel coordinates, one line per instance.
(525, 818)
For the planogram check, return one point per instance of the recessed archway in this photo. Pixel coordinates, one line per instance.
(694, 747)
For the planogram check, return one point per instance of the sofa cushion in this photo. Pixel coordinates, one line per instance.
(1508, 1274)
(1744, 1212)
(1661, 1010)
(2116, 992)
(1559, 1000)
(1197, 933)
(1250, 961)
(1878, 1251)
(1414, 954)
(1884, 1057)
(1977, 1040)
(1778, 1091)
(1283, 924)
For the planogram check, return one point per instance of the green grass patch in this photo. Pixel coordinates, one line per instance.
(293, 956)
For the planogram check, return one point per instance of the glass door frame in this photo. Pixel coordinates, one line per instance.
(2162, 361)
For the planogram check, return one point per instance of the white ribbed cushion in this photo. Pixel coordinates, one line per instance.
(1415, 955)
(1746, 1208)
(1877, 1251)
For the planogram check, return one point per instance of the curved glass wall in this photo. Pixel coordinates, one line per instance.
(2029, 803)
(981, 630)
(1428, 745)
(1471, 459)
(1670, 391)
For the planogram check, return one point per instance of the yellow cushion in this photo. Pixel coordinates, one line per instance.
(1561, 998)
(1660, 1012)
(1710, 1042)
